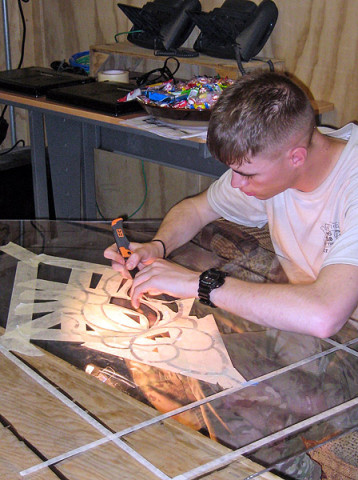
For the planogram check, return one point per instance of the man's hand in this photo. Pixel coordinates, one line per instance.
(162, 276)
(143, 254)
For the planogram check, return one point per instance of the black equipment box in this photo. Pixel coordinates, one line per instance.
(99, 96)
(37, 81)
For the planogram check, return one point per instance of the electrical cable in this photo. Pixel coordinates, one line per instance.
(140, 206)
(162, 74)
(266, 60)
(243, 72)
(237, 47)
(145, 193)
(99, 211)
(13, 147)
(126, 33)
(23, 31)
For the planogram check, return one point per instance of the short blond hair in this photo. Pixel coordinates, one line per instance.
(259, 112)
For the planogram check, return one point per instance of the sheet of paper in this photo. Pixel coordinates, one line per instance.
(167, 130)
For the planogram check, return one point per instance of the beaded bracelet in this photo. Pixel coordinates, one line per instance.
(164, 249)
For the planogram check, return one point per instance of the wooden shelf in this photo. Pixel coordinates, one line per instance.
(322, 106)
(99, 54)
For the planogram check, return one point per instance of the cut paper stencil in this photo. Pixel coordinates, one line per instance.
(92, 307)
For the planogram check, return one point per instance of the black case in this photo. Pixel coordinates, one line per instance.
(237, 26)
(161, 25)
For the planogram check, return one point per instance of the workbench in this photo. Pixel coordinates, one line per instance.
(72, 134)
(138, 419)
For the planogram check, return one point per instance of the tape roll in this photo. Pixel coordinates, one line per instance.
(121, 76)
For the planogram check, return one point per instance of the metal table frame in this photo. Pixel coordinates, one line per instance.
(73, 133)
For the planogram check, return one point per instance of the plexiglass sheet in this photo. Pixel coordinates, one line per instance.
(269, 395)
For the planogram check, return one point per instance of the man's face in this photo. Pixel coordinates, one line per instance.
(264, 176)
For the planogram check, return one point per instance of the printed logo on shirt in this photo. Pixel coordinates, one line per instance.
(331, 233)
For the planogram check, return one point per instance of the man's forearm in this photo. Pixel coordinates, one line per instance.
(184, 221)
(319, 309)
(281, 306)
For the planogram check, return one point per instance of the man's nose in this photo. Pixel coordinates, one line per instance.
(238, 181)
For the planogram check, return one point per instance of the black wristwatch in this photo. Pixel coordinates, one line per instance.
(208, 280)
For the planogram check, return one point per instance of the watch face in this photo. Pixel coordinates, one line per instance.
(212, 276)
(207, 278)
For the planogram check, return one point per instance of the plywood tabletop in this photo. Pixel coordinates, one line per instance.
(37, 426)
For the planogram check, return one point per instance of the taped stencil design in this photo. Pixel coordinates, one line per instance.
(93, 309)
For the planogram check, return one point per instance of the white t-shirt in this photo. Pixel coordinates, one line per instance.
(309, 230)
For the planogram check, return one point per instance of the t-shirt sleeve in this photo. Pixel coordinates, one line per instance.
(233, 205)
(345, 248)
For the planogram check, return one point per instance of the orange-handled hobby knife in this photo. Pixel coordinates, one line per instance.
(122, 242)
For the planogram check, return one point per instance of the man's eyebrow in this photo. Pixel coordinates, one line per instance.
(242, 173)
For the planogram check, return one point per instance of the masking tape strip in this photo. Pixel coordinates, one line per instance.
(292, 456)
(352, 342)
(52, 335)
(23, 271)
(177, 411)
(48, 294)
(25, 255)
(13, 339)
(232, 456)
(43, 285)
(20, 253)
(41, 329)
(75, 264)
(108, 435)
(345, 347)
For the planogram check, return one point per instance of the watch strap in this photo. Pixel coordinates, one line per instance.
(208, 281)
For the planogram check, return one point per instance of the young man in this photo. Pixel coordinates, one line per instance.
(284, 171)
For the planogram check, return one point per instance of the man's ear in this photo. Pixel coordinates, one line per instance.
(298, 156)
